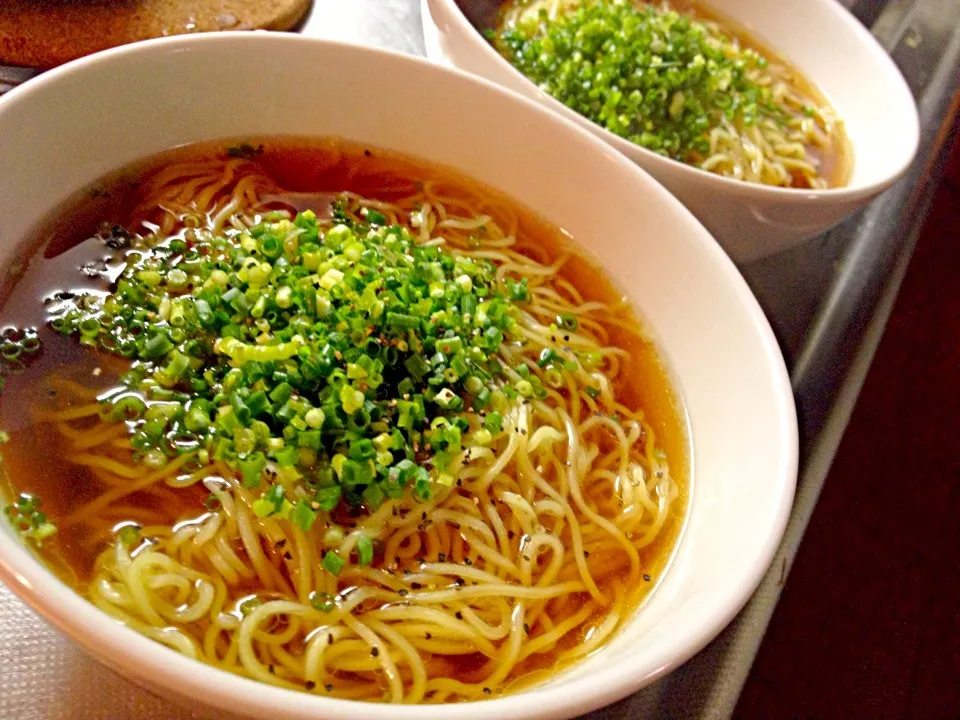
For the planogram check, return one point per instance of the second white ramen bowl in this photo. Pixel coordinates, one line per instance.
(832, 49)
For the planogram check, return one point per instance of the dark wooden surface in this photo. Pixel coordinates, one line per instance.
(869, 623)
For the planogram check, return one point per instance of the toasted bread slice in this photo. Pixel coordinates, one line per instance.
(45, 33)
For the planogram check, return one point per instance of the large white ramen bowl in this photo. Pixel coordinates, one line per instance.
(822, 39)
(62, 131)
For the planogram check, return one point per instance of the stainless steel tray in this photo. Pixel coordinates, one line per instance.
(827, 300)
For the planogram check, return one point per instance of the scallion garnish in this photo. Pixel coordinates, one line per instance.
(27, 518)
(332, 563)
(349, 366)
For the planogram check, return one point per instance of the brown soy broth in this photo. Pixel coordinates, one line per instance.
(65, 252)
(34, 463)
(646, 383)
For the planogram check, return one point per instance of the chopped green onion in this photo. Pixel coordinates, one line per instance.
(251, 467)
(493, 422)
(328, 497)
(332, 563)
(285, 456)
(129, 408)
(249, 605)
(417, 366)
(128, 535)
(262, 508)
(364, 550)
(568, 321)
(322, 601)
(303, 515)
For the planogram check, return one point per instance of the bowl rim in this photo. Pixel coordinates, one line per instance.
(157, 665)
(844, 193)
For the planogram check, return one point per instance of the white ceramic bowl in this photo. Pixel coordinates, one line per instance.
(69, 127)
(751, 221)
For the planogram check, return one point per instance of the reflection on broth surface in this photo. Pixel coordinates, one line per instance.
(338, 421)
